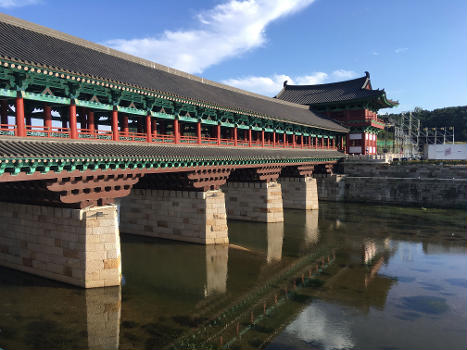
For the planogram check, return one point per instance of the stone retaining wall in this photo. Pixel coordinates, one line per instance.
(76, 246)
(197, 217)
(433, 171)
(425, 192)
(299, 192)
(254, 201)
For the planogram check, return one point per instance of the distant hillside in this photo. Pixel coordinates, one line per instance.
(441, 117)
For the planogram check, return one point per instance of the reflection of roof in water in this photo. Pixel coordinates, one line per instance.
(359, 286)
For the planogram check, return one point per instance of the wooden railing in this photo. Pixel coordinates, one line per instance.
(61, 133)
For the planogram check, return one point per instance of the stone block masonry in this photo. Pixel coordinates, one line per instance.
(299, 192)
(197, 217)
(254, 201)
(425, 192)
(75, 246)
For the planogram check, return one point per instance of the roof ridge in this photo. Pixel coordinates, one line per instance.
(18, 22)
(324, 84)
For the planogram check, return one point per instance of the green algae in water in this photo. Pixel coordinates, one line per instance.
(426, 304)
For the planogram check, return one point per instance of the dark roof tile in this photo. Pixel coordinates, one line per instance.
(43, 46)
(33, 148)
(328, 93)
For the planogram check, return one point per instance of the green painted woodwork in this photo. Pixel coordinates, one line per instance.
(228, 125)
(8, 93)
(187, 119)
(94, 105)
(134, 111)
(162, 115)
(17, 165)
(38, 84)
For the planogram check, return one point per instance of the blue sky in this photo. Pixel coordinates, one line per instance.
(416, 50)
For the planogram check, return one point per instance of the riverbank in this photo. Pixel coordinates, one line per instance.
(418, 185)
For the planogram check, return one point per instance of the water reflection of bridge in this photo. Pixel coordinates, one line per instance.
(194, 282)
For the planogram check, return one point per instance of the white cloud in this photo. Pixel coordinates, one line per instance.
(271, 85)
(17, 3)
(227, 30)
(343, 74)
(375, 53)
(401, 49)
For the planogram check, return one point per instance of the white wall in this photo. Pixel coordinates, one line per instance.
(446, 151)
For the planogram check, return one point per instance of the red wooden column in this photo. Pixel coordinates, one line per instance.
(218, 134)
(148, 128)
(176, 131)
(235, 136)
(154, 128)
(249, 137)
(4, 116)
(91, 123)
(309, 141)
(329, 143)
(73, 122)
(262, 138)
(20, 127)
(198, 132)
(115, 134)
(125, 124)
(47, 118)
(316, 141)
(274, 139)
(284, 139)
(301, 141)
(294, 142)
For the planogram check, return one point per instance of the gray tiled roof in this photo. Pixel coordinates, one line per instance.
(326, 93)
(47, 149)
(26, 41)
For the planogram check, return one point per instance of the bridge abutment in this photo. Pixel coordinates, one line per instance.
(190, 216)
(254, 201)
(299, 192)
(75, 246)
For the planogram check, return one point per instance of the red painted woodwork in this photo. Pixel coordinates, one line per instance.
(176, 131)
(47, 118)
(20, 127)
(198, 132)
(249, 137)
(262, 138)
(91, 122)
(218, 134)
(301, 141)
(125, 124)
(115, 133)
(235, 136)
(273, 139)
(154, 127)
(148, 128)
(73, 122)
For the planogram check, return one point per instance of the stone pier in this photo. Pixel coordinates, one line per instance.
(299, 192)
(76, 246)
(254, 201)
(190, 216)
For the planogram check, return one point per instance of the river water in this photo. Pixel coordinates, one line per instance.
(343, 277)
